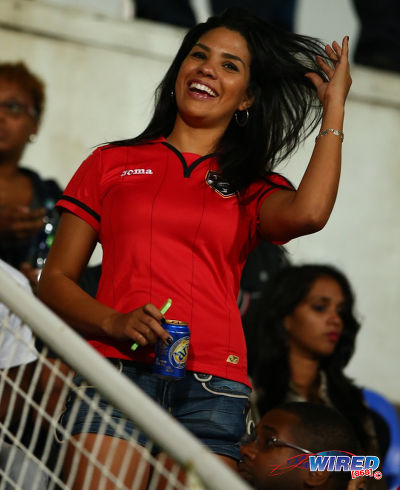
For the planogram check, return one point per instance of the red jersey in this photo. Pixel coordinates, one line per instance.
(170, 227)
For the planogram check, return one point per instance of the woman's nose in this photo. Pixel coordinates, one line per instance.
(336, 318)
(207, 69)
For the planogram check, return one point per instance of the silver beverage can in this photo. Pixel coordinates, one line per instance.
(170, 360)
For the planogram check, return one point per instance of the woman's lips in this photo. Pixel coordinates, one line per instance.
(202, 87)
(333, 336)
(201, 91)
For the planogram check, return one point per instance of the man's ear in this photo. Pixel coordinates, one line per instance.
(315, 479)
(359, 483)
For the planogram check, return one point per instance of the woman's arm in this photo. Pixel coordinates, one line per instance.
(286, 214)
(73, 244)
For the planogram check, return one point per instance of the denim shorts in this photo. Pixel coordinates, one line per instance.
(213, 409)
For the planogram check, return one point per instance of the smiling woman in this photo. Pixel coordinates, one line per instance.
(212, 84)
(238, 98)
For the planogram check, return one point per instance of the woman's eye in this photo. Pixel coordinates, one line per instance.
(199, 54)
(319, 308)
(231, 66)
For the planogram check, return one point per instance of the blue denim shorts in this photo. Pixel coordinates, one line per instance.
(213, 409)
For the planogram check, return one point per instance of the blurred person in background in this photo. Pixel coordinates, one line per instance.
(272, 452)
(277, 12)
(26, 200)
(378, 43)
(28, 219)
(299, 342)
(186, 13)
(17, 364)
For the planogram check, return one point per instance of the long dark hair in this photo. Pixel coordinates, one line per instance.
(285, 109)
(268, 343)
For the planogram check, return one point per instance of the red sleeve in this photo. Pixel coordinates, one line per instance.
(259, 191)
(82, 194)
(275, 183)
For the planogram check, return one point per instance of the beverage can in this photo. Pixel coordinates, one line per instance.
(170, 360)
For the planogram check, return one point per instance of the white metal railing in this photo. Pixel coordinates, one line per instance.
(156, 423)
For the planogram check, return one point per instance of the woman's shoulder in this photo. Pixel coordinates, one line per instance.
(116, 148)
(264, 185)
(276, 179)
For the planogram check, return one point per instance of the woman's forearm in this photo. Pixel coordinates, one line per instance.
(316, 194)
(75, 306)
(58, 285)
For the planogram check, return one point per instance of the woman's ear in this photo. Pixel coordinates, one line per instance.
(33, 130)
(247, 102)
(287, 323)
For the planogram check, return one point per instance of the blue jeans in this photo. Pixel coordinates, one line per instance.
(213, 409)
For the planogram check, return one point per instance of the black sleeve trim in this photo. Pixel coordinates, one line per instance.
(274, 185)
(82, 206)
(289, 184)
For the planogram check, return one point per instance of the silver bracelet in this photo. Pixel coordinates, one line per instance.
(336, 132)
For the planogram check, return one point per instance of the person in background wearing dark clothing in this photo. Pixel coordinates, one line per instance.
(262, 262)
(27, 217)
(25, 198)
(180, 12)
(175, 12)
(307, 329)
(378, 45)
(295, 430)
(277, 12)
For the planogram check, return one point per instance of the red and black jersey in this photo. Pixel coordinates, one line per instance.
(170, 227)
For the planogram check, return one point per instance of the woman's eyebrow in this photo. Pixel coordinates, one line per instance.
(225, 55)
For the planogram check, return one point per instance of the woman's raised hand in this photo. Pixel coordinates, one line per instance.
(142, 325)
(337, 85)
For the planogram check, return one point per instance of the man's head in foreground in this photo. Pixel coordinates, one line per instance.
(290, 430)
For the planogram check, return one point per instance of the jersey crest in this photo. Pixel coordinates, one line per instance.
(219, 184)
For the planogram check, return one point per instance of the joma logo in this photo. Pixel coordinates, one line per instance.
(137, 171)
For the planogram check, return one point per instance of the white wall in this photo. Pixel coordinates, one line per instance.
(363, 234)
(100, 77)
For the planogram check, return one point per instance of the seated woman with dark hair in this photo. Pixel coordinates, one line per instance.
(307, 330)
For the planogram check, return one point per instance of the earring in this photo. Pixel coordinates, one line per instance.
(32, 138)
(242, 121)
(172, 93)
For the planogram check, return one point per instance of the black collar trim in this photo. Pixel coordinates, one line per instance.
(187, 169)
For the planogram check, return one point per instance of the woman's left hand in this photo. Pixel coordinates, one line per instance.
(337, 85)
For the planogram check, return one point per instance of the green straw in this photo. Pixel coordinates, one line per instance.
(163, 310)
